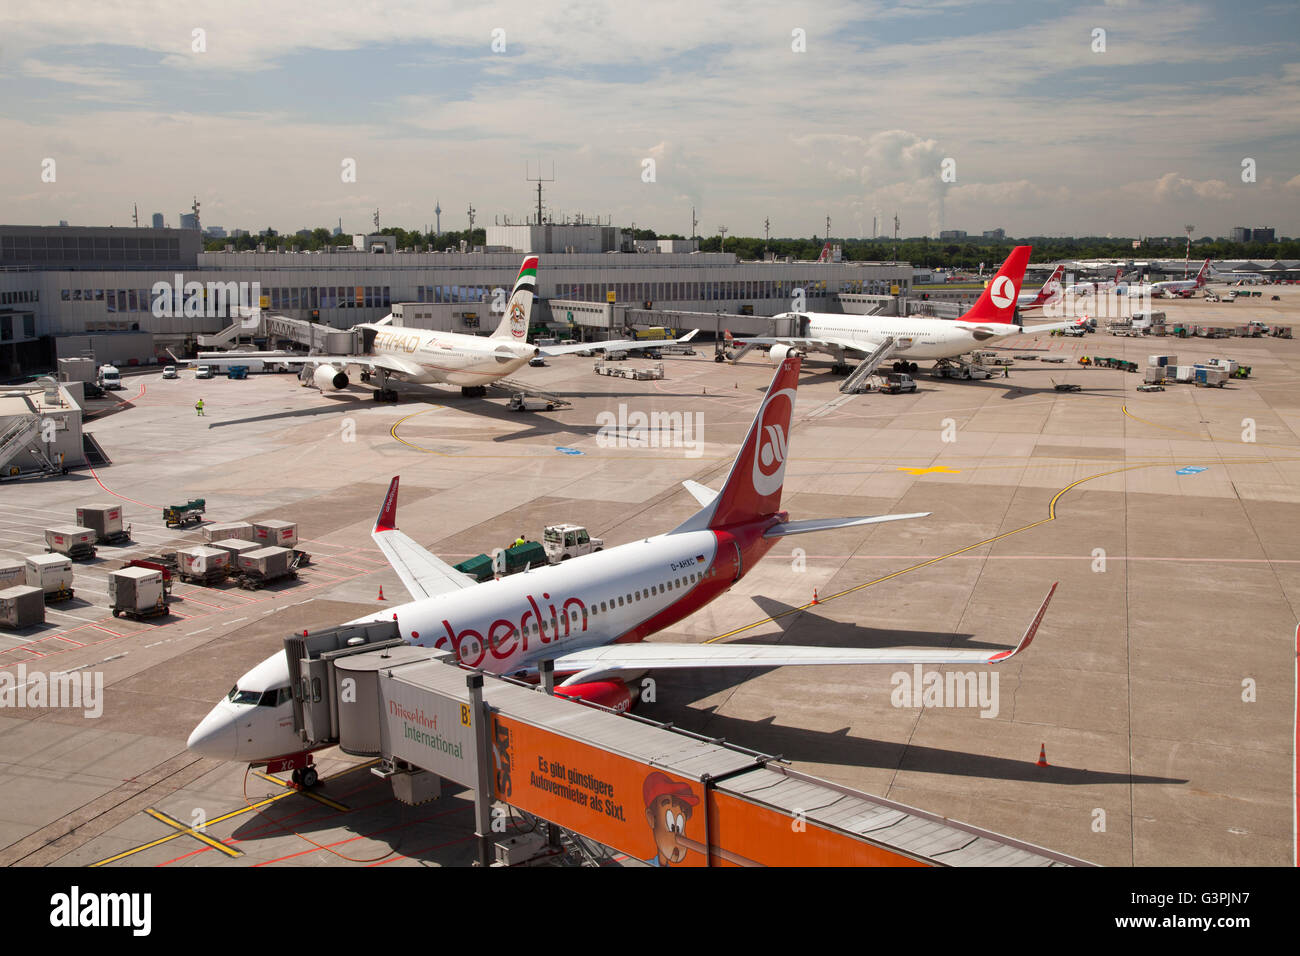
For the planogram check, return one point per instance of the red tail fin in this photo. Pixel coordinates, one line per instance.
(1200, 276)
(753, 488)
(998, 303)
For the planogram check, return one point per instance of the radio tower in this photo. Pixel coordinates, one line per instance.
(1187, 260)
(437, 212)
(539, 180)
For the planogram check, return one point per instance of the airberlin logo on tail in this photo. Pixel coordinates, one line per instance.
(773, 448)
(1003, 292)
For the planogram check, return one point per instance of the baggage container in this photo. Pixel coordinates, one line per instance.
(104, 520)
(229, 529)
(77, 543)
(22, 606)
(1185, 373)
(52, 573)
(1206, 375)
(1154, 375)
(1161, 360)
(202, 564)
(235, 547)
(12, 573)
(263, 565)
(136, 592)
(281, 534)
(478, 567)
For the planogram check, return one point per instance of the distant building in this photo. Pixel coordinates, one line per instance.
(1240, 234)
(952, 234)
(215, 232)
(189, 220)
(997, 234)
(1263, 235)
(237, 233)
(158, 221)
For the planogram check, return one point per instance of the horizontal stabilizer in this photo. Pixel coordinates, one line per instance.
(829, 524)
(701, 493)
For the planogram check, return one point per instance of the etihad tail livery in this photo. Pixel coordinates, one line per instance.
(989, 321)
(427, 357)
(590, 614)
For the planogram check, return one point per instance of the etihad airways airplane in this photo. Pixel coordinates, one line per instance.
(425, 357)
(989, 321)
(589, 614)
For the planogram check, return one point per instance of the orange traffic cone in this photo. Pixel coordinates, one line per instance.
(381, 592)
(815, 601)
(1042, 756)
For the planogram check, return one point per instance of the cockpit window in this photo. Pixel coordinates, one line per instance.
(237, 696)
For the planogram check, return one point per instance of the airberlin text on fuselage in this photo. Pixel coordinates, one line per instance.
(502, 634)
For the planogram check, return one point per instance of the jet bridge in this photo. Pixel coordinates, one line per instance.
(658, 794)
(256, 324)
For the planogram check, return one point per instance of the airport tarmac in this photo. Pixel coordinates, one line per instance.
(1160, 683)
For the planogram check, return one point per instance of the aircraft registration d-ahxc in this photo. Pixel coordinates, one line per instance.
(590, 614)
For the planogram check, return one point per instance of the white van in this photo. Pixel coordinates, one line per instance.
(109, 377)
(203, 371)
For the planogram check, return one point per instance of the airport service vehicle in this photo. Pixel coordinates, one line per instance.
(519, 402)
(897, 382)
(876, 338)
(177, 516)
(1067, 387)
(1075, 331)
(237, 371)
(565, 541)
(169, 371)
(1151, 387)
(203, 371)
(1050, 292)
(429, 357)
(588, 615)
(537, 362)
(109, 377)
(964, 371)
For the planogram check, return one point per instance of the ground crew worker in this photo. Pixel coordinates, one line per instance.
(1006, 372)
(520, 540)
(198, 408)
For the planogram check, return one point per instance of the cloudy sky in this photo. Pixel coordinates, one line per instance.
(952, 114)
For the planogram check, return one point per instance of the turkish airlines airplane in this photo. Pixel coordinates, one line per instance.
(428, 357)
(1050, 291)
(589, 614)
(989, 321)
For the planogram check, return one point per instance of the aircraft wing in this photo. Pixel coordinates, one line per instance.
(423, 574)
(389, 363)
(821, 344)
(623, 345)
(617, 660)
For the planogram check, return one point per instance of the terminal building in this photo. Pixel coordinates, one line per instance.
(61, 285)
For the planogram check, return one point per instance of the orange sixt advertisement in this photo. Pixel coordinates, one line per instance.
(749, 834)
(617, 801)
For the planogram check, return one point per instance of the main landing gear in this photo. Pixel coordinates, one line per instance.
(909, 367)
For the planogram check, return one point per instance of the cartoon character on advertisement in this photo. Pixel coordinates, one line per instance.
(668, 805)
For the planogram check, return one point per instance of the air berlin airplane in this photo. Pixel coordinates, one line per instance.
(589, 614)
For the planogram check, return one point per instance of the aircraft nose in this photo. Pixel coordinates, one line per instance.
(215, 736)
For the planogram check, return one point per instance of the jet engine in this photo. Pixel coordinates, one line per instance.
(613, 694)
(327, 377)
(779, 353)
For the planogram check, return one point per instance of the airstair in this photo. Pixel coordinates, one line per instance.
(22, 435)
(869, 364)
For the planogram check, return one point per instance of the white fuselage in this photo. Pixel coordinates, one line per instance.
(454, 358)
(915, 338)
(505, 626)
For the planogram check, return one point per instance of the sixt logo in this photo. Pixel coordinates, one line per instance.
(769, 464)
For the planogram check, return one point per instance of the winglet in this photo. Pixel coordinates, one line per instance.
(387, 520)
(1003, 656)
